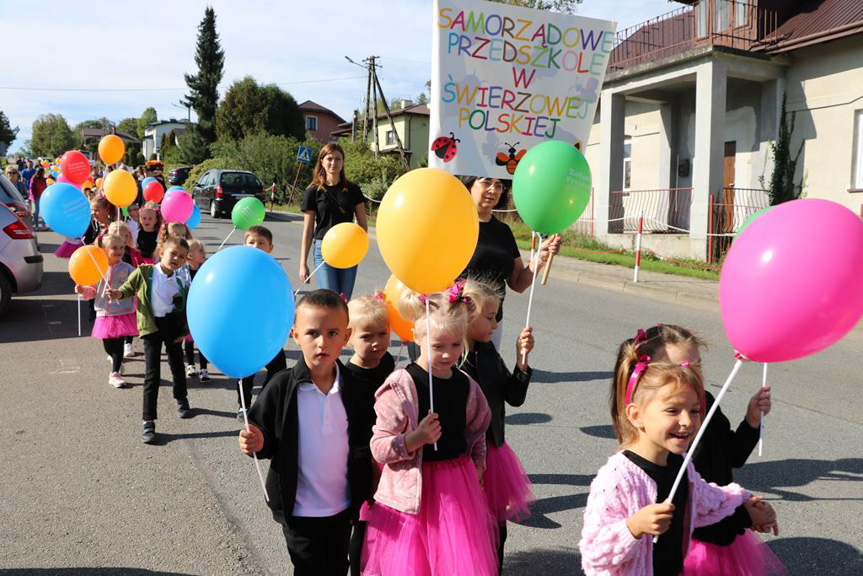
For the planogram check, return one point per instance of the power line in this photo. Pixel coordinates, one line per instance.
(37, 89)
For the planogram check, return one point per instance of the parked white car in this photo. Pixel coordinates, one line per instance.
(20, 260)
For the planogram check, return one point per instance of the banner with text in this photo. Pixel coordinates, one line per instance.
(505, 78)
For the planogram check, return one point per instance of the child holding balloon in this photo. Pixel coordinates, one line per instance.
(197, 255)
(728, 547)
(115, 320)
(161, 313)
(370, 365)
(656, 409)
(429, 515)
(506, 485)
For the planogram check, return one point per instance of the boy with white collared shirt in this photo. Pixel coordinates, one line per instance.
(303, 422)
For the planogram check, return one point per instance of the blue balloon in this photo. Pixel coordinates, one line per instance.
(176, 188)
(65, 209)
(147, 180)
(195, 218)
(240, 310)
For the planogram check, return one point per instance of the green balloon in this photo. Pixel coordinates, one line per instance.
(551, 186)
(248, 212)
(125, 211)
(750, 220)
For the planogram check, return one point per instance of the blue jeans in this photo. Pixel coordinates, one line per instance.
(339, 280)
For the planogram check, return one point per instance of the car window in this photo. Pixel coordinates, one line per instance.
(232, 178)
(205, 179)
(251, 181)
(9, 193)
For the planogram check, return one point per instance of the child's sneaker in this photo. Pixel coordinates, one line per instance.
(116, 380)
(205, 376)
(148, 432)
(127, 350)
(183, 409)
(190, 371)
(240, 417)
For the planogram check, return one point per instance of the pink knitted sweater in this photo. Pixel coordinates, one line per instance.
(621, 489)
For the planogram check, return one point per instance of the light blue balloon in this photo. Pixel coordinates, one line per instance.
(240, 310)
(176, 188)
(146, 181)
(65, 209)
(195, 218)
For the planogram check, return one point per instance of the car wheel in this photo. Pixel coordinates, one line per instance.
(5, 293)
(213, 212)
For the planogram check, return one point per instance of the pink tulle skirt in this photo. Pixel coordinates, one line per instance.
(67, 248)
(453, 534)
(507, 487)
(115, 326)
(748, 555)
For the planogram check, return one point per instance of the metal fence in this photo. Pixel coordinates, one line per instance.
(726, 215)
(665, 210)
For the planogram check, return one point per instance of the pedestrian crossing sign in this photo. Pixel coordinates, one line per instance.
(304, 155)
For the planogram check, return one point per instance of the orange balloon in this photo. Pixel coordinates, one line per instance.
(49, 181)
(392, 293)
(98, 182)
(345, 245)
(88, 265)
(111, 149)
(120, 188)
(427, 229)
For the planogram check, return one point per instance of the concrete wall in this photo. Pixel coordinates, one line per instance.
(825, 88)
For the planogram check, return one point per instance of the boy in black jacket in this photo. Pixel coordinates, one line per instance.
(303, 423)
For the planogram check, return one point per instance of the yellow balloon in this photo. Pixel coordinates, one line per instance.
(111, 149)
(120, 188)
(49, 181)
(98, 182)
(87, 184)
(88, 265)
(427, 229)
(345, 245)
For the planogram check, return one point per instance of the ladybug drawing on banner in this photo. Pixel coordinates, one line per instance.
(511, 160)
(445, 147)
(578, 146)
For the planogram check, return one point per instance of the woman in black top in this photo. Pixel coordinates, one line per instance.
(497, 257)
(330, 200)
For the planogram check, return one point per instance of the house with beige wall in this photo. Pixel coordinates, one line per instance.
(691, 105)
(410, 121)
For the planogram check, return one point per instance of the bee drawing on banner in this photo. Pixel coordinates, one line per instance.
(510, 160)
(445, 147)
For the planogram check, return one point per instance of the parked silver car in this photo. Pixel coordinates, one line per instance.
(20, 260)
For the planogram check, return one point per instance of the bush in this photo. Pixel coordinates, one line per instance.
(212, 164)
(373, 175)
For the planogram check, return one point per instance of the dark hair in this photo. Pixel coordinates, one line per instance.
(468, 182)
(260, 231)
(323, 299)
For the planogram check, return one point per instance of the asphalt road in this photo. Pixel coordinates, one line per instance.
(83, 495)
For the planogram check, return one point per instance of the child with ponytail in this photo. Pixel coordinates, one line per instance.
(429, 515)
(656, 409)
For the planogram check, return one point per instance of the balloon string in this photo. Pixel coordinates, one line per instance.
(254, 454)
(96, 264)
(428, 351)
(530, 299)
(307, 280)
(701, 430)
(79, 313)
(399, 355)
(234, 229)
(761, 425)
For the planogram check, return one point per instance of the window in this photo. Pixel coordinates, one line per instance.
(391, 138)
(627, 163)
(721, 15)
(741, 12)
(701, 13)
(311, 123)
(858, 151)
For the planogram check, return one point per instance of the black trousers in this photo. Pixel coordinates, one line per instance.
(356, 550)
(190, 354)
(168, 334)
(276, 365)
(319, 546)
(501, 532)
(114, 348)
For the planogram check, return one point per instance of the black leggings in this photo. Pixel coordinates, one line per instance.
(114, 348)
(189, 346)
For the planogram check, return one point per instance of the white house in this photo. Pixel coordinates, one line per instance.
(153, 134)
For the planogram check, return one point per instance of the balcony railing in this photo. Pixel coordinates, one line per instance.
(739, 24)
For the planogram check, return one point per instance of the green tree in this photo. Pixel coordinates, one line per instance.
(249, 108)
(148, 116)
(92, 144)
(422, 98)
(133, 155)
(7, 133)
(203, 93)
(52, 136)
(169, 151)
(563, 6)
(782, 187)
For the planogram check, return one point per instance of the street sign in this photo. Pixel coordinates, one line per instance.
(304, 155)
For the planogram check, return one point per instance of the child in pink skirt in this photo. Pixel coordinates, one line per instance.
(115, 320)
(68, 247)
(507, 487)
(430, 516)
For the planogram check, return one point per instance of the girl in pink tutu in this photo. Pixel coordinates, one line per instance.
(68, 247)
(115, 320)
(729, 547)
(430, 516)
(507, 487)
(656, 409)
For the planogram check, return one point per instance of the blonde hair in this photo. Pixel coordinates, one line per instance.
(109, 239)
(117, 227)
(195, 245)
(657, 374)
(448, 317)
(368, 308)
(480, 292)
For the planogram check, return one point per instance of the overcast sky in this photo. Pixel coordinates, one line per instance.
(115, 58)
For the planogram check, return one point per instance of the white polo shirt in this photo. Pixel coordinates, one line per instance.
(322, 479)
(164, 289)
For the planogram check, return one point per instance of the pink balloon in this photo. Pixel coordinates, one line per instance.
(177, 206)
(62, 178)
(792, 283)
